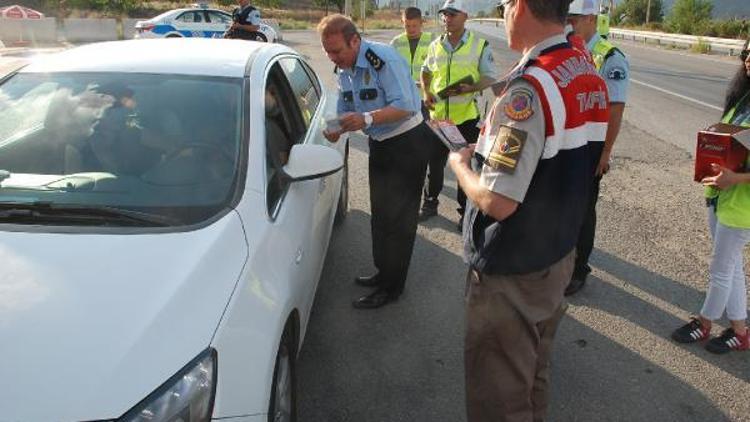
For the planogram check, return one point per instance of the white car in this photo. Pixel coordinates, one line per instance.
(198, 22)
(165, 211)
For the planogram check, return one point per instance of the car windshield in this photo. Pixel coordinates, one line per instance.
(164, 146)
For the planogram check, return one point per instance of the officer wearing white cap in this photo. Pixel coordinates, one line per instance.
(378, 97)
(458, 54)
(613, 67)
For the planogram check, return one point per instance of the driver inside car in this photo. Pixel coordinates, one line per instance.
(117, 142)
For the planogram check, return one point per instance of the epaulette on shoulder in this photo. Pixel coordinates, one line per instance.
(374, 60)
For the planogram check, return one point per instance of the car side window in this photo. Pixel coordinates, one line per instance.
(190, 17)
(285, 126)
(216, 17)
(305, 92)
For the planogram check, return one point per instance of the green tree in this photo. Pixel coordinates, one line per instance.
(690, 16)
(338, 4)
(633, 12)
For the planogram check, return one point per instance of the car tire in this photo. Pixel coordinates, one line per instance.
(342, 208)
(283, 404)
(259, 36)
(173, 36)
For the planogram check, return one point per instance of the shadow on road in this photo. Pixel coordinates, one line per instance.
(644, 314)
(402, 362)
(588, 365)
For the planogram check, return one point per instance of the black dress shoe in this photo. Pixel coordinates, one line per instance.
(374, 300)
(368, 281)
(575, 285)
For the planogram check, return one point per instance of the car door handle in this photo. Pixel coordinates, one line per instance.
(298, 257)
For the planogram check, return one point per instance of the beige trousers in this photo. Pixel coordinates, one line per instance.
(510, 325)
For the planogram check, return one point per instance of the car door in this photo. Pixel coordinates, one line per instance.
(292, 208)
(306, 92)
(218, 23)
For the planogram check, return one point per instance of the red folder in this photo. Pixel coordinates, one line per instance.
(723, 144)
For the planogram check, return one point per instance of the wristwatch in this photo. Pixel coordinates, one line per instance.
(368, 119)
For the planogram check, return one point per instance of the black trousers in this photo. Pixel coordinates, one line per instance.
(435, 168)
(588, 230)
(470, 132)
(396, 167)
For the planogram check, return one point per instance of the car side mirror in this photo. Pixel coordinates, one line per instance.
(307, 162)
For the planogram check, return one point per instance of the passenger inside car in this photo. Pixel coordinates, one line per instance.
(278, 142)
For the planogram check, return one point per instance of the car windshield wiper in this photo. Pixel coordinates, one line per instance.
(83, 214)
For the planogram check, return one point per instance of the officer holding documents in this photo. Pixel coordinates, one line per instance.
(458, 55)
(378, 97)
(613, 66)
(527, 181)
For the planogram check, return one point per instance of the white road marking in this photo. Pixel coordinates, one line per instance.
(684, 97)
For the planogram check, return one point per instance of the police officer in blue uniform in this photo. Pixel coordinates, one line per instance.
(378, 96)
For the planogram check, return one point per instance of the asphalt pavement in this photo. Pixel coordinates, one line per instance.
(613, 359)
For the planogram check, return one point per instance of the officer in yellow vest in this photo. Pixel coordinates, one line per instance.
(613, 67)
(602, 25)
(412, 44)
(458, 54)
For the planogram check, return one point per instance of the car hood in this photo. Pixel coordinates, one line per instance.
(90, 324)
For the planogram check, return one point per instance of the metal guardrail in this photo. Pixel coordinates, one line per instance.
(712, 44)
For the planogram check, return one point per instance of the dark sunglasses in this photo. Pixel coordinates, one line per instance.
(744, 54)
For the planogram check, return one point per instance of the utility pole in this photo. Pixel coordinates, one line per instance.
(648, 12)
(348, 8)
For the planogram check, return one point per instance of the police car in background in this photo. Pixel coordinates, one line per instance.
(197, 21)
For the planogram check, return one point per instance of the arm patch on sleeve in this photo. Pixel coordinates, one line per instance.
(507, 148)
(617, 74)
(520, 105)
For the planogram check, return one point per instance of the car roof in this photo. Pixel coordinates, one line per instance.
(173, 12)
(183, 56)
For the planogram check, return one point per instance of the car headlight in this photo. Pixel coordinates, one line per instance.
(186, 397)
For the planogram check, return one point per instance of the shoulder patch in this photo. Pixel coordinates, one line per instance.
(374, 60)
(617, 74)
(520, 105)
(507, 148)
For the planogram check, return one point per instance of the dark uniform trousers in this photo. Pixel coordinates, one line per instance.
(470, 132)
(586, 237)
(511, 322)
(396, 169)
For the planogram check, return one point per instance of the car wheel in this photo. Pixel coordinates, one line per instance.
(283, 405)
(173, 36)
(342, 208)
(261, 37)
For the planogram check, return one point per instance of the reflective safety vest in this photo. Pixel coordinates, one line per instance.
(602, 50)
(449, 67)
(401, 44)
(545, 226)
(733, 204)
(602, 24)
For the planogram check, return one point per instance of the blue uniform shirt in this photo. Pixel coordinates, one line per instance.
(616, 73)
(382, 80)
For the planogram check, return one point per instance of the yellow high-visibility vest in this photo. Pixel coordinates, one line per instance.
(601, 51)
(449, 67)
(401, 44)
(602, 24)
